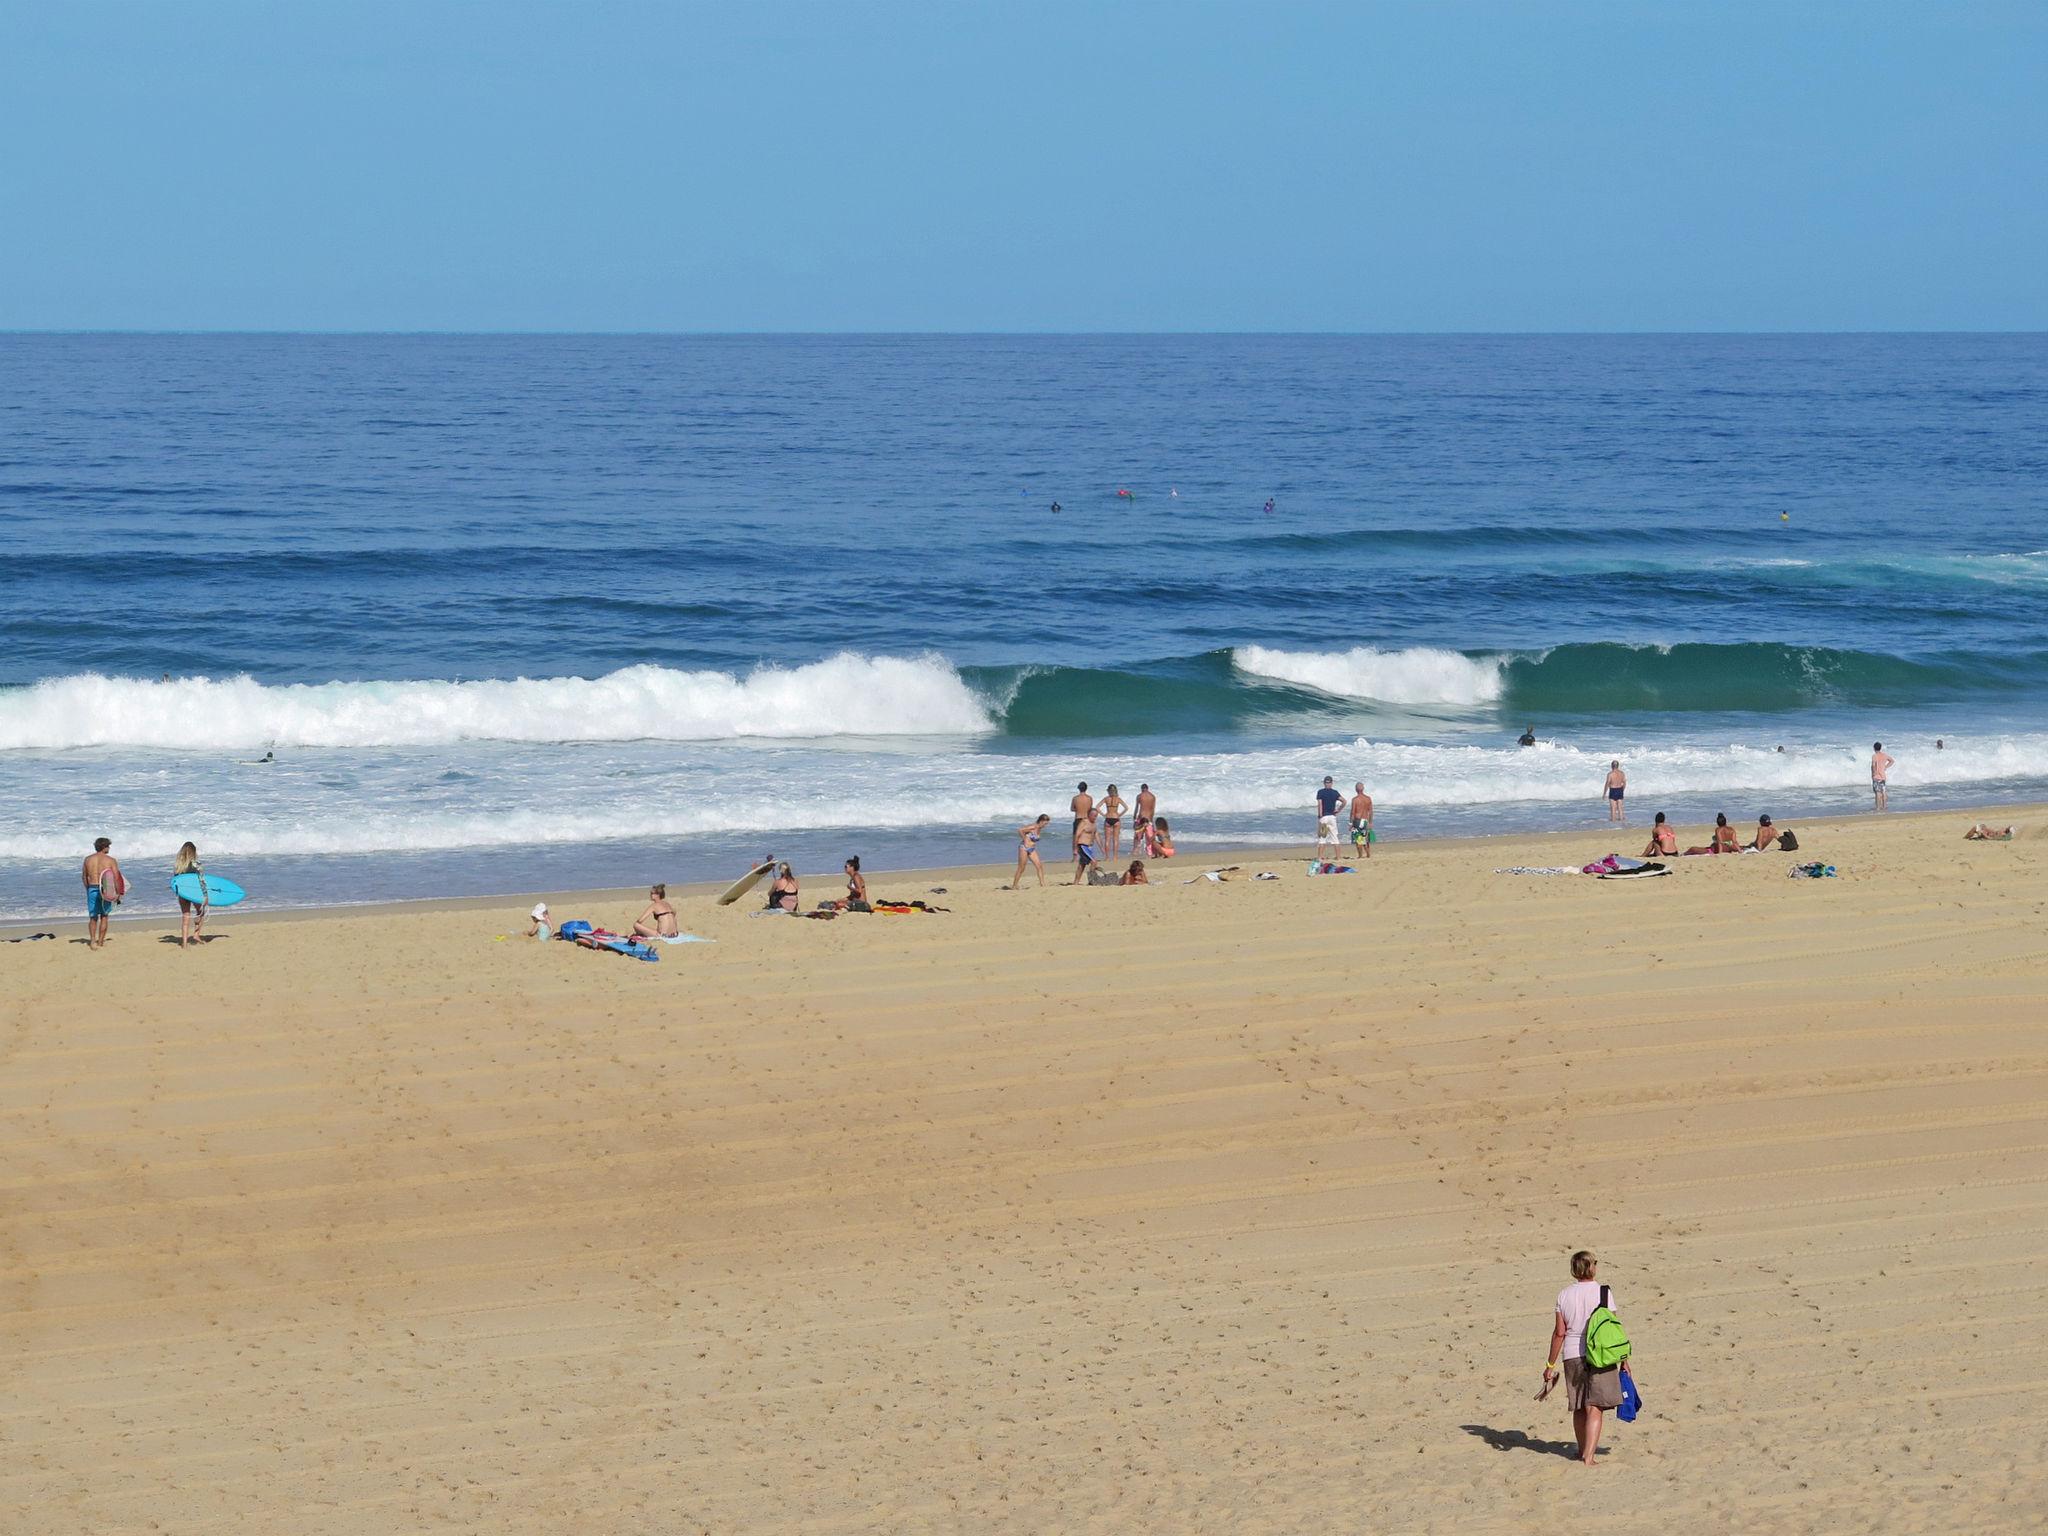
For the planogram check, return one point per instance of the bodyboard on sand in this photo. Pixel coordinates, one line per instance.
(1640, 872)
(744, 884)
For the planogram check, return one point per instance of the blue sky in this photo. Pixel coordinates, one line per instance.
(1116, 166)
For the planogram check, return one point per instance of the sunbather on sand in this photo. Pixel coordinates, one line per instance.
(659, 920)
(1663, 839)
(1725, 840)
(1983, 832)
(1135, 875)
(1766, 834)
(782, 895)
(856, 897)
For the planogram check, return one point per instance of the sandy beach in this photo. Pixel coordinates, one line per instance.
(1214, 1207)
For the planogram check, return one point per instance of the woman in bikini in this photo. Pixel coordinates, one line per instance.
(1135, 875)
(659, 920)
(782, 894)
(1027, 852)
(1111, 810)
(1725, 840)
(856, 898)
(1662, 839)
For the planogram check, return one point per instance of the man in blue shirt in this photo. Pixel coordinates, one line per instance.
(1328, 801)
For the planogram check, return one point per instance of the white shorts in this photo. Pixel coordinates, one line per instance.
(1328, 827)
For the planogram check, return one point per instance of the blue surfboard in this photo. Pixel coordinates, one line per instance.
(218, 892)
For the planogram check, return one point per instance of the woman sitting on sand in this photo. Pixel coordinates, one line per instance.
(1663, 840)
(1982, 833)
(659, 920)
(1135, 875)
(1725, 840)
(782, 894)
(1160, 844)
(856, 897)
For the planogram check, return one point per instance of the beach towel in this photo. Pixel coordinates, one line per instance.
(1541, 869)
(1330, 869)
(1814, 871)
(1631, 1399)
(617, 943)
(686, 938)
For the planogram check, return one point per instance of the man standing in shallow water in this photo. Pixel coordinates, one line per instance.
(1617, 787)
(1361, 821)
(1880, 770)
(1327, 802)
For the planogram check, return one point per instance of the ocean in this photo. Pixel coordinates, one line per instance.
(538, 613)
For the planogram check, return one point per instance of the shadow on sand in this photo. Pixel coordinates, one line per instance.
(1517, 1440)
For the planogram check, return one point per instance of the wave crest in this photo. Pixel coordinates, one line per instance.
(843, 695)
(1421, 675)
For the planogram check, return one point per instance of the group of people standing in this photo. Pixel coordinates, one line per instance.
(1098, 836)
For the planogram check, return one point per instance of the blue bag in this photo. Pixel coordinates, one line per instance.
(1631, 1399)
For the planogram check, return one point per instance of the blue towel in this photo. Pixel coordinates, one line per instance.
(1631, 1399)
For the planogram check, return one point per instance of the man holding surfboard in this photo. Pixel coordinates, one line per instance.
(104, 886)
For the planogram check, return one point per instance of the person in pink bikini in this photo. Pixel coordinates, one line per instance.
(1663, 839)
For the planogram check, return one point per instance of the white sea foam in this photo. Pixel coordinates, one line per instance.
(485, 796)
(1420, 675)
(844, 695)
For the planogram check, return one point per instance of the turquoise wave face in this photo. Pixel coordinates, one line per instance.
(1607, 679)
(1225, 691)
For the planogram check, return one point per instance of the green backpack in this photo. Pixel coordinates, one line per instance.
(1606, 1343)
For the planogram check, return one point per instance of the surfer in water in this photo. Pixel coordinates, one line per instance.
(1528, 737)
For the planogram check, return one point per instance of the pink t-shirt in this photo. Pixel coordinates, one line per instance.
(1577, 1301)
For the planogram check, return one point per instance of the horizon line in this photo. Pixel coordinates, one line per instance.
(1008, 334)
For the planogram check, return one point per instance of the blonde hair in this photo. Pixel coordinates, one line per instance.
(1582, 1265)
(188, 860)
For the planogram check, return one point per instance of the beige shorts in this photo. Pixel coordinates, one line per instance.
(1327, 825)
(1591, 1389)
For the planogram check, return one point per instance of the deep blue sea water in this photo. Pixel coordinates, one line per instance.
(531, 613)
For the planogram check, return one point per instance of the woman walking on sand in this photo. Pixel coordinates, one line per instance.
(1589, 1394)
(1027, 852)
(191, 914)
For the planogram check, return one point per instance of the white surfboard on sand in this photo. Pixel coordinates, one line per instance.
(744, 884)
